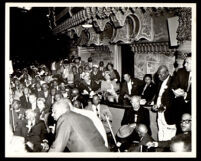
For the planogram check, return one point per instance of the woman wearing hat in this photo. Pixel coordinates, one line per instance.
(109, 88)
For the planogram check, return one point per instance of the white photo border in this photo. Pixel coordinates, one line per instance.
(192, 154)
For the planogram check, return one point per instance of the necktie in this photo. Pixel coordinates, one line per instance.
(52, 99)
(27, 98)
(189, 82)
(145, 87)
(135, 119)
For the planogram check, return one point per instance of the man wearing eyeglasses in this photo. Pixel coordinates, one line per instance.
(185, 125)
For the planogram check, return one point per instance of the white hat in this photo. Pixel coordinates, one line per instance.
(95, 66)
(125, 131)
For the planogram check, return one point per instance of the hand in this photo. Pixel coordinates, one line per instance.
(178, 92)
(143, 101)
(127, 96)
(118, 144)
(30, 145)
(154, 108)
(133, 125)
(151, 144)
(45, 147)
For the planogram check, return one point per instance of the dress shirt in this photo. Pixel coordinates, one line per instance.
(162, 89)
(189, 81)
(97, 122)
(96, 109)
(78, 133)
(129, 87)
(46, 94)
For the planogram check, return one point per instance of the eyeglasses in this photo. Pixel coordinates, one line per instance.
(185, 121)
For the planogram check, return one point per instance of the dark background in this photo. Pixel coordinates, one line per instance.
(31, 38)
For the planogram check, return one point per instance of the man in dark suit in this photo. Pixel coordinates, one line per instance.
(75, 95)
(24, 99)
(129, 88)
(163, 104)
(45, 93)
(137, 114)
(182, 85)
(182, 90)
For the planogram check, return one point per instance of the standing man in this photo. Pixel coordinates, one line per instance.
(163, 104)
(181, 87)
(74, 131)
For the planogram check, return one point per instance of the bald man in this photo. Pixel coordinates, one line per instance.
(163, 103)
(74, 131)
(142, 131)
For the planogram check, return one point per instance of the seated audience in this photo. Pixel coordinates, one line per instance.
(36, 132)
(96, 77)
(18, 118)
(113, 72)
(149, 89)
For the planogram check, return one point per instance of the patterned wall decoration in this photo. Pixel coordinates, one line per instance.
(149, 56)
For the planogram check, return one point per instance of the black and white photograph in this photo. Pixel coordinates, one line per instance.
(104, 80)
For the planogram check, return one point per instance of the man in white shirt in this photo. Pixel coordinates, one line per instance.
(97, 122)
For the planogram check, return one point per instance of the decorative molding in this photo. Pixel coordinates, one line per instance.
(94, 38)
(99, 24)
(146, 25)
(78, 30)
(119, 16)
(184, 28)
(153, 48)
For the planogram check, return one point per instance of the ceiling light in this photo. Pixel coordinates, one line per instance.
(87, 25)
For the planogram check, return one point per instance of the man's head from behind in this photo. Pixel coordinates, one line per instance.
(181, 143)
(75, 92)
(185, 123)
(60, 107)
(163, 72)
(141, 130)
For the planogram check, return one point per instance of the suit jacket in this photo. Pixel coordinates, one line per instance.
(84, 86)
(78, 133)
(149, 92)
(77, 79)
(142, 117)
(104, 111)
(37, 134)
(48, 99)
(136, 88)
(181, 81)
(24, 103)
(166, 100)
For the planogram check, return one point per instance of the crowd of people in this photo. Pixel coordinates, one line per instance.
(64, 107)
